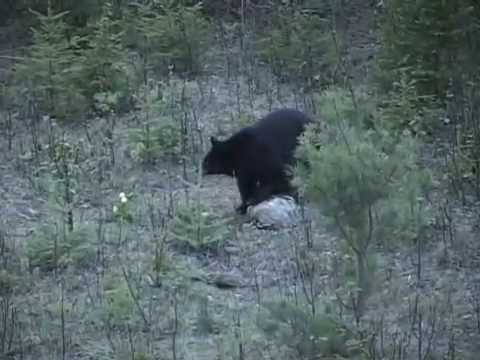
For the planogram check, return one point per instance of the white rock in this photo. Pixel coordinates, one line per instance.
(276, 213)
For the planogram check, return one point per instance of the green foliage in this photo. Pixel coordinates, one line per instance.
(104, 77)
(172, 33)
(143, 33)
(163, 262)
(354, 173)
(336, 103)
(49, 248)
(462, 166)
(119, 302)
(159, 136)
(299, 47)
(7, 92)
(429, 58)
(64, 168)
(197, 229)
(428, 41)
(367, 182)
(403, 108)
(205, 324)
(78, 12)
(309, 336)
(48, 74)
(430, 49)
(65, 157)
(154, 140)
(7, 282)
(121, 209)
(141, 356)
(463, 161)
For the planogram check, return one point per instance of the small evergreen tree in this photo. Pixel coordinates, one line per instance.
(185, 36)
(429, 41)
(47, 74)
(363, 180)
(299, 47)
(169, 33)
(143, 33)
(104, 78)
(429, 57)
(308, 336)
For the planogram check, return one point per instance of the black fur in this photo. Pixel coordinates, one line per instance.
(257, 156)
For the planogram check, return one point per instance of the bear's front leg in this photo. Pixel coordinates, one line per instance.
(246, 187)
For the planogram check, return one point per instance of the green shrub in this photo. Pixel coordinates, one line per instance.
(50, 248)
(403, 108)
(163, 263)
(299, 47)
(205, 323)
(122, 209)
(104, 77)
(169, 33)
(49, 72)
(428, 41)
(160, 137)
(429, 48)
(309, 336)
(367, 182)
(7, 282)
(78, 12)
(119, 302)
(337, 104)
(195, 228)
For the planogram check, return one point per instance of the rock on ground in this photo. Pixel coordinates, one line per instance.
(276, 213)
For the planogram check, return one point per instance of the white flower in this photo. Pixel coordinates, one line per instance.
(123, 198)
(115, 209)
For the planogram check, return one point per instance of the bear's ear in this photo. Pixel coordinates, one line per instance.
(213, 140)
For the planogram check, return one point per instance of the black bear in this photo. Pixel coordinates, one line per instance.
(257, 156)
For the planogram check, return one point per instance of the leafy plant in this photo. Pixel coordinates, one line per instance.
(119, 302)
(7, 282)
(357, 110)
(160, 137)
(403, 108)
(50, 248)
(121, 209)
(170, 34)
(48, 73)
(428, 62)
(65, 158)
(426, 40)
(309, 336)
(193, 227)
(299, 47)
(105, 79)
(368, 183)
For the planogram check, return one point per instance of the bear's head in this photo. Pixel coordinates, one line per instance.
(218, 161)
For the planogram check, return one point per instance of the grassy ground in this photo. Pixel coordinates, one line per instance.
(110, 305)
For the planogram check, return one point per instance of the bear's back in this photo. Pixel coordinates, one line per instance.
(279, 131)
